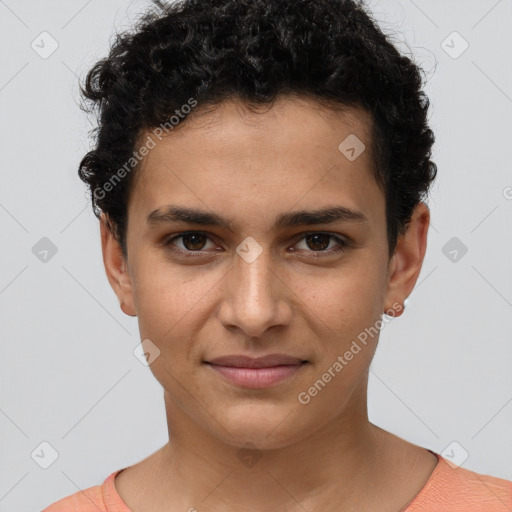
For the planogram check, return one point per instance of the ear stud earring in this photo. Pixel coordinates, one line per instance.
(398, 307)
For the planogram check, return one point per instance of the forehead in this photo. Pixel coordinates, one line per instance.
(293, 151)
(282, 112)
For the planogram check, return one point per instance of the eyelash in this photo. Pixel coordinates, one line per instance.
(342, 244)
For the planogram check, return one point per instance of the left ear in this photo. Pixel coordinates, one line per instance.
(407, 260)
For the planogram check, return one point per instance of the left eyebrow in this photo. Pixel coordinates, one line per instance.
(322, 216)
(327, 215)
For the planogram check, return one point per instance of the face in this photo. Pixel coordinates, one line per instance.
(253, 234)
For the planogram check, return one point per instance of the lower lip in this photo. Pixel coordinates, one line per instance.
(256, 378)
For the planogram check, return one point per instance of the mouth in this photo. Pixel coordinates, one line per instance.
(256, 373)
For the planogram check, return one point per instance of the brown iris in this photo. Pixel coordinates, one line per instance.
(194, 241)
(318, 241)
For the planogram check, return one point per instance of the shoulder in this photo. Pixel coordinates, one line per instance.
(88, 500)
(455, 489)
(92, 499)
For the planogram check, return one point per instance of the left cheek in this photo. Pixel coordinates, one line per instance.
(346, 298)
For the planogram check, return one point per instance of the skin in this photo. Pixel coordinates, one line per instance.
(252, 167)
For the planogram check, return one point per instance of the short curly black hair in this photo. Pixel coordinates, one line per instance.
(209, 51)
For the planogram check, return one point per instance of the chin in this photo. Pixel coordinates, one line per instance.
(268, 430)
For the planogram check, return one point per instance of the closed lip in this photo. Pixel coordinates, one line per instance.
(241, 361)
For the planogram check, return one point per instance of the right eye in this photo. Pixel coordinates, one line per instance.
(192, 243)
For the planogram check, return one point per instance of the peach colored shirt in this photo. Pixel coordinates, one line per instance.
(449, 489)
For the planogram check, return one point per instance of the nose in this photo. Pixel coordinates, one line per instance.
(255, 297)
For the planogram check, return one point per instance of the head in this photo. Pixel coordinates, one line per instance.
(293, 139)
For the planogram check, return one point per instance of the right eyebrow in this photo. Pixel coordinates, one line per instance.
(188, 215)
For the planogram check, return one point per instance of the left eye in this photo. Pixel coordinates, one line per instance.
(195, 242)
(320, 242)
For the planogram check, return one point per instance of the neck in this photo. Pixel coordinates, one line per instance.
(271, 471)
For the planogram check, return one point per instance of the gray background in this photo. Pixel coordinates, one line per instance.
(68, 374)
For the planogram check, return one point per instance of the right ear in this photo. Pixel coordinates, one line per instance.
(116, 268)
